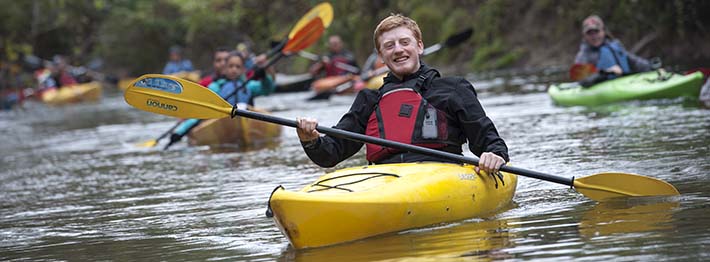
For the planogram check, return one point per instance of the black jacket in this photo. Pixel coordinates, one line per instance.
(453, 95)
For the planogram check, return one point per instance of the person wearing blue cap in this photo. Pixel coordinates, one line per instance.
(177, 63)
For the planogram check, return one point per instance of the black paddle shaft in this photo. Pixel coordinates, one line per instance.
(402, 146)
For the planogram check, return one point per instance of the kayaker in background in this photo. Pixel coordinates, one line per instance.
(602, 50)
(415, 106)
(219, 61)
(236, 76)
(61, 72)
(232, 83)
(336, 61)
(56, 74)
(251, 62)
(249, 57)
(177, 63)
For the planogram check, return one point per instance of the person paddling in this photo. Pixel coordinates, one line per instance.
(602, 50)
(233, 82)
(415, 105)
(56, 75)
(335, 62)
(219, 61)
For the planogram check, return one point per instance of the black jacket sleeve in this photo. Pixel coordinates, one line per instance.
(479, 130)
(328, 151)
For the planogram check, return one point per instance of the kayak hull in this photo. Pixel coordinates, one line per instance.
(385, 198)
(88, 92)
(641, 86)
(193, 76)
(330, 84)
(123, 83)
(238, 130)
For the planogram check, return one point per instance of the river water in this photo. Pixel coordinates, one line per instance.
(75, 187)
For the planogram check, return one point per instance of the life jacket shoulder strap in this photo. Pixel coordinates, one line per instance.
(423, 81)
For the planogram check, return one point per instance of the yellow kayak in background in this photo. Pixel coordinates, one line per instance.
(124, 82)
(360, 202)
(237, 130)
(193, 76)
(376, 81)
(88, 92)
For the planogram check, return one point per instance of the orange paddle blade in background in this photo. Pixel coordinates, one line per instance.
(581, 71)
(305, 36)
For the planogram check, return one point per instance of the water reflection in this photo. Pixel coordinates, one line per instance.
(472, 240)
(75, 187)
(626, 216)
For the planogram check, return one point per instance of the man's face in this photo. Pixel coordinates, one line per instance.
(335, 44)
(594, 37)
(235, 67)
(400, 51)
(220, 60)
(175, 56)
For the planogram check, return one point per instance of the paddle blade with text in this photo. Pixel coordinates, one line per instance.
(168, 95)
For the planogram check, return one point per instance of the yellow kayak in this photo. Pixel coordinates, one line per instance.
(124, 82)
(193, 76)
(88, 92)
(237, 130)
(360, 202)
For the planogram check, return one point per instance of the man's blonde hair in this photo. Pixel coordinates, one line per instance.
(393, 21)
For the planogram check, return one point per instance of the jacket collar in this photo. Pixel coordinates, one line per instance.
(390, 78)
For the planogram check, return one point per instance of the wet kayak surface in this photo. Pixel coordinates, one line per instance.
(76, 186)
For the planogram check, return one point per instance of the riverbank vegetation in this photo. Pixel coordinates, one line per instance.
(132, 37)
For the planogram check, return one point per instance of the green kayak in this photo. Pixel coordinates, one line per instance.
(641, 86)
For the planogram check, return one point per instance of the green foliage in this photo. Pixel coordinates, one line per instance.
(508, 58)
(133, 36)
(485, 56)
(137, 34)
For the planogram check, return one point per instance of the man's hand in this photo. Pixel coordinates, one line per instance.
(489, 163)
(307, 129)
(260, 60)
(325, 59)
(616, 69)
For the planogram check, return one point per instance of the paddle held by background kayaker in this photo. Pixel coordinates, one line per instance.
(606, 53)
(415, 106)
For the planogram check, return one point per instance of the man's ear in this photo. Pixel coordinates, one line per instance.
(421, 47)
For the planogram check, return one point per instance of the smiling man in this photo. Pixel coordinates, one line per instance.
(415, 105)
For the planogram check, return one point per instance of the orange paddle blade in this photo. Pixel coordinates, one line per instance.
(581, 71)
(306, 36)
(324, 11)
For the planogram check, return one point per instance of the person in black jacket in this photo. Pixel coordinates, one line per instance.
(414, 106)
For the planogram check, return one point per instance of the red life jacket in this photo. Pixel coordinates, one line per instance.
(403, 115)
(332, 69)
